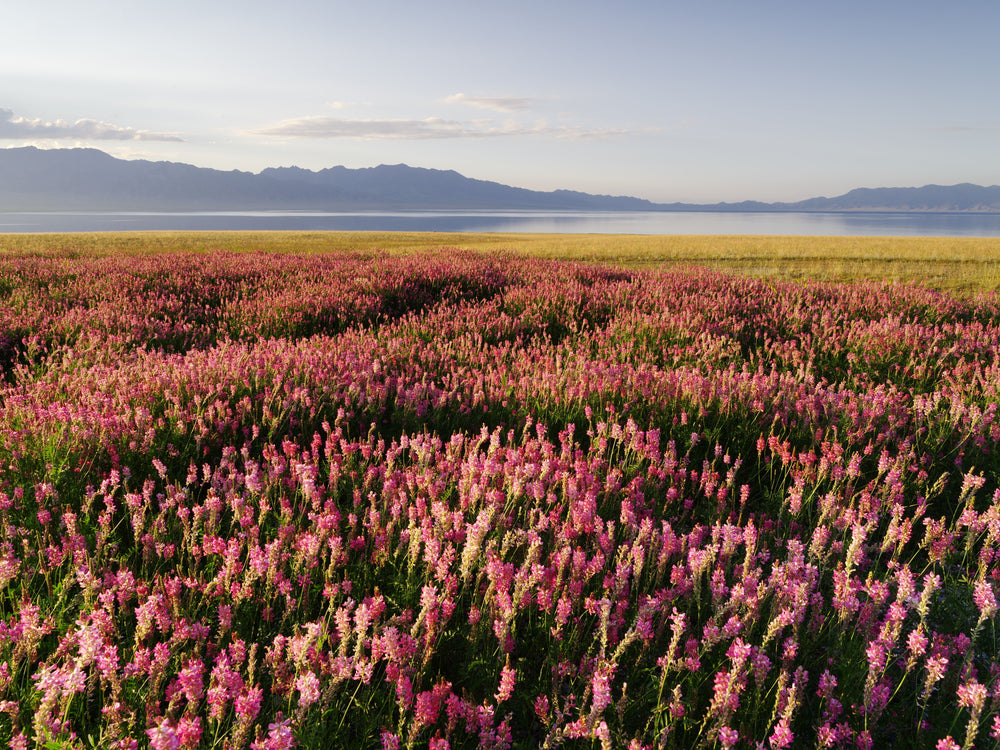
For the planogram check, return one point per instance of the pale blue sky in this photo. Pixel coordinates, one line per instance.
(700, 101)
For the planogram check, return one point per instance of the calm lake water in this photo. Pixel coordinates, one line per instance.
(575, 222)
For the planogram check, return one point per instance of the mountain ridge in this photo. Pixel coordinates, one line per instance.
(89, 179)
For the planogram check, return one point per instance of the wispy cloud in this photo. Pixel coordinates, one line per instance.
(12, 127)
(426, 129)
(495, 103)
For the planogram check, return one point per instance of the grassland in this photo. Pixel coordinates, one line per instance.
(942, 262)
(273, 491)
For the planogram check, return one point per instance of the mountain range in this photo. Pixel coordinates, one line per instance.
(33, 179)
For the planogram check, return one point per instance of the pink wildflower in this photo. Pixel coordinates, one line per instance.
(508, 678)
(247, 703)
(947, 744)
(190, 679)
(982, 594)
(728, 737)
(279, 737)
(972, 695)
(189, 732)
(916, 642)
(308, 687)
(163, 737)
(601, 689)
(782, 736)
(542, 708)
(429, 703)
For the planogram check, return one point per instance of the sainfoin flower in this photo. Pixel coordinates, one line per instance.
(279, 737)
(508, 678)
(308, 686)
(240, 483)
(163, 737)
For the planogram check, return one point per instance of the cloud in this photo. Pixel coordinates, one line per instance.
(496, 103)
(12, 127)
(432, 128)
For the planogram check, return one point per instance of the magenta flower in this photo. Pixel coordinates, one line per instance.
(508, 678)
(782, 736)
(279, 736)
(308, 686)
(163, 737)
(728, 737)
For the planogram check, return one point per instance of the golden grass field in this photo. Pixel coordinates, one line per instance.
(969, 264)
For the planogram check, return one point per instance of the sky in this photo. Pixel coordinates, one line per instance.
(700, 101)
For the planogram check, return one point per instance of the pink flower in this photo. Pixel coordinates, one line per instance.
(163, 737)
(279, 737)
(782, 736)
(189, 732)
(916, 642)
(936, 666)
(948, 744)
(308, 687)
(248, 703)
(190, 679)
(728, 737)
(982, 594)
(972, 695)
(508, 678)
(542, 708)
(429, 703)
(601, 689)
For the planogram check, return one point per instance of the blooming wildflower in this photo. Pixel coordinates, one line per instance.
(189, 731)
(728, 737)
(827, 683)
(982, 594)
(603, 733)
(279, 736)
(916, 642)
(247, 704)
(972, 695)
(542, 708)
(428, 704)
(508, 677)
(936, 666)
(947, 744)
(782, 736)
(163, 737)
(308, 686)
(190, 678)
(601, 690)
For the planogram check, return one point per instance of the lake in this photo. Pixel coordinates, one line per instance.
(572, 222)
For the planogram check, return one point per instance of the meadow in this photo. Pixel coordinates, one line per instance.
(397, 491)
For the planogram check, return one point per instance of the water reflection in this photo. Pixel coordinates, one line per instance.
(572, 222)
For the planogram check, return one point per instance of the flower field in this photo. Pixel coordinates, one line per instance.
(468, 500)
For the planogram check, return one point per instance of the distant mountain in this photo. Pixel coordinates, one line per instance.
(88, 179)
(964, 197)
(34, 179)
